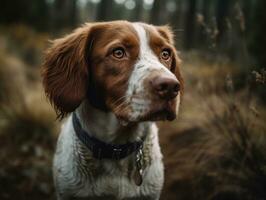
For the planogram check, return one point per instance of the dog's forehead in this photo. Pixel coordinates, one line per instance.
(123, 30)
(147, 33)
(105, 33)
(142, 34)
(144, 30)
(116, 30)
(149, 36)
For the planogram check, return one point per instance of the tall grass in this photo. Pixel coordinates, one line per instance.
(217, 152)
(27, 132)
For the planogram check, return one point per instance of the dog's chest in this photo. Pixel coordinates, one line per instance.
(117, 182)
(108, 180)
(78, 174)
(111, 178)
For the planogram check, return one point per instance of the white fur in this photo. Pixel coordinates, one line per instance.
(147, 63)
(177, 103)
(71, 182)
(74, 168)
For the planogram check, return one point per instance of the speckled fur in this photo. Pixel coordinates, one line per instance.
(147, 64)
(78, 174)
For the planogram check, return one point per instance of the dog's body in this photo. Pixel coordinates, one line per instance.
(117, 77)
(78, 174)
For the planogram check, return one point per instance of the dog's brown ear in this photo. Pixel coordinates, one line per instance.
(175, 67)
(65, 71)
(167, 33)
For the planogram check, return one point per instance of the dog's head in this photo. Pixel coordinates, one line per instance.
(130, 69)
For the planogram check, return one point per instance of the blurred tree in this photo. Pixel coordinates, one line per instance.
(73, 13)
(222, 13)
(88, 12)
(64, 13)
(176, 16)
(37, 14)
(105, 11)
(257, 39)
(137, 13)
(257, 42)
(155, 11)
(120, 12)
(190, 24)
(206, 5)
(247, 7)
(204, 17)
(31, 12)
(158, 13)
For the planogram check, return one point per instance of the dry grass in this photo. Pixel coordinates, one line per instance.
(27, 132)
(217, 149)
(23, 42)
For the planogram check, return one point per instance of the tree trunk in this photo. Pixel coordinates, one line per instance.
(176, 17)
(249, 8)
(202, 34)
(156, 12)
(206, 10)
(64, 14)
(104, 11)
(257, 37)
(137, 12)
(190, 25)
(59, 14)
(73, 18)
(221, 15)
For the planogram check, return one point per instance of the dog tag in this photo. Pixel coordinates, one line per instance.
(138, 177)
(138, 174)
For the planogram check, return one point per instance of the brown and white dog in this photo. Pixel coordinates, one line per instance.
(116, 78)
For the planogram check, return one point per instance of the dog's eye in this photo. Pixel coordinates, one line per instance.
(119, 52)
(166, 54)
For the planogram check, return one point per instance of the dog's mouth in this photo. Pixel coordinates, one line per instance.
(157, 112)
(160, 113)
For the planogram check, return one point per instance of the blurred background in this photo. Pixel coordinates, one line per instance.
(216, 149)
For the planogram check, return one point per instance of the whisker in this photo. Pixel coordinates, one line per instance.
(122, 104)
(119, 99)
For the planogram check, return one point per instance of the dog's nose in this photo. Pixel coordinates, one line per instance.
(166, 87)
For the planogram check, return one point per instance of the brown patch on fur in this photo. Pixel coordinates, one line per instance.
(110, 75)
(87, 51)
(176, 69)
(65, 71)
(167, 33)
(83, 61)
(161, 39)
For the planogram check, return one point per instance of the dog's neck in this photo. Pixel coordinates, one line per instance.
(106, 127)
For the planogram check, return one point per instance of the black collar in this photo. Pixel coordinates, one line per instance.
(102, 150)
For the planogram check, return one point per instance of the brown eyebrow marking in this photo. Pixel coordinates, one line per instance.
(119, 33)
(156, 39)
(167, 33)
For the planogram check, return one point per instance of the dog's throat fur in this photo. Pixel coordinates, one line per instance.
(96, 99)
(101, 150)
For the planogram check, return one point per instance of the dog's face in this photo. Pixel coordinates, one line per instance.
(130, 69)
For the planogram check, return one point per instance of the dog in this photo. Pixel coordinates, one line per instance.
(115, 79)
